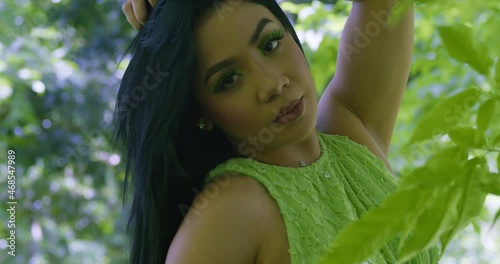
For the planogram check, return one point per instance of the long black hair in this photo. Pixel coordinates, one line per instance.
(167, 155)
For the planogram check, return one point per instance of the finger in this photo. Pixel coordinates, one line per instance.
(153, 2)
(128, 10)
(140, 11)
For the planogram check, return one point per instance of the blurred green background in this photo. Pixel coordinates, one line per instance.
(58, 84)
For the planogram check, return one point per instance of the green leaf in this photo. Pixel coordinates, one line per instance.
(444, 170)
(496, 141)
(495, 219)
(498, 162)
(423, 1)
(21, 109)
(454, 152)
(464, 46)
(472, 201)
(445, 115)
(432, 223)
(449, 171)
(397, 213)
(496, 79)
(476, 226)
(361, 239)
(431, 175)
(467, 137)
(490, 183)
(484, 114)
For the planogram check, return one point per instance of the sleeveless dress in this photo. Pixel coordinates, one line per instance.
(317, 200)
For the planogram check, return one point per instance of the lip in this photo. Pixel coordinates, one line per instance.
(290, 112)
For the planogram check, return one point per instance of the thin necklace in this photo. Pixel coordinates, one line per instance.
(325, 174)
(303, 164)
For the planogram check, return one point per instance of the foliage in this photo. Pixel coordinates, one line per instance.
(58, 81)
(459, 122)
(57, 88)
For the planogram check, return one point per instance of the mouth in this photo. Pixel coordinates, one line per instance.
(290, 112)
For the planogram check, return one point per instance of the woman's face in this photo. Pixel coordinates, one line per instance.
(249, 68)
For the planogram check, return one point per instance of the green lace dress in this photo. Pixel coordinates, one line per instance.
(317, 200)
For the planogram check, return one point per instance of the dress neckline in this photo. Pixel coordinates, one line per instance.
(313, 165)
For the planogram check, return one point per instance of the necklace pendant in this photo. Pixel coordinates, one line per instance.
(302, 164)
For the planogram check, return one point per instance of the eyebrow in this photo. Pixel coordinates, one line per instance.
(225, 63)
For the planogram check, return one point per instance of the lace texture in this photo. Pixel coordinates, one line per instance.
(318, 200)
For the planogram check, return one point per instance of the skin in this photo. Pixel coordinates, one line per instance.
(135, 11)
(362, 105)
(264, 82)
(361, 102)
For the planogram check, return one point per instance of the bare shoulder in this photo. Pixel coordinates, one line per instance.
(337, 118)
(224, 224)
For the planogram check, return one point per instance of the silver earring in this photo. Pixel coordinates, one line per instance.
(202, 125)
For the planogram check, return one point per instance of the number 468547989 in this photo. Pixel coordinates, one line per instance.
(11, 161)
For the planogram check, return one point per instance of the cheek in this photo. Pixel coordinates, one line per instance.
(229, 115)
(229, 118)
(297, 64)
(303, 68)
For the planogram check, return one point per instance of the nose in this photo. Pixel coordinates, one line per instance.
(270, 82)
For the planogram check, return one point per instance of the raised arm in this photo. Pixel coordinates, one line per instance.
(372, 70)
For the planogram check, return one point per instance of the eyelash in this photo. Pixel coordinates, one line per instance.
(275, 35)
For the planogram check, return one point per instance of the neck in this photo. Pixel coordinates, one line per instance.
(305, 150)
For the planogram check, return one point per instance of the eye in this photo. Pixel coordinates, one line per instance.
(226, 81)
(272, 41)
(270, 46)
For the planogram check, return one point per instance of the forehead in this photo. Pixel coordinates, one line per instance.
(226, 30)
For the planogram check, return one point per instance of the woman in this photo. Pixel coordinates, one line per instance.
(219, 97)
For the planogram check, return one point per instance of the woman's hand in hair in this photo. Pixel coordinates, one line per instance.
(136, 11)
